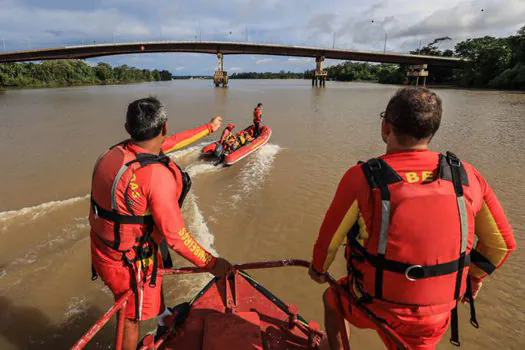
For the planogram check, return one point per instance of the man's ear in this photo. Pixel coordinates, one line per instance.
(165, 129)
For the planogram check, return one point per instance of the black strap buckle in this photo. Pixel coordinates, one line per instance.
(374, 164)
(453, 160)
(414, 272)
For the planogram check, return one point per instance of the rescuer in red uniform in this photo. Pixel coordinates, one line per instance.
(228, 131)
(136, 195)
(257, 117)
(409, 218)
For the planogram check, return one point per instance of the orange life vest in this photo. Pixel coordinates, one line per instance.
(111, 216)
(419, 249)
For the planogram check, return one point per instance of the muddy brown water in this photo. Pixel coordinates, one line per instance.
(268, 206)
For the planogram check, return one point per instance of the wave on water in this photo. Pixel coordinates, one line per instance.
(190, 154)
(34, 212)
(255, 171)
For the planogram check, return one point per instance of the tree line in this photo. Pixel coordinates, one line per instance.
(497, 63)
(268, 75)
(73, 72)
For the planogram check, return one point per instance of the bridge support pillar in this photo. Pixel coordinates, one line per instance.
(220, 77)
(419, 71)
(319, 76)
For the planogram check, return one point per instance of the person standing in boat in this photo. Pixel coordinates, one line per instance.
(409, 218)
(257, 118)
(136, 195)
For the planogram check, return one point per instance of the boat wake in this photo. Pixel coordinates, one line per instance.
(255, 172)
(35, 212)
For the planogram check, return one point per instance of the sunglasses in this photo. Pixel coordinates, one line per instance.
(382, 115)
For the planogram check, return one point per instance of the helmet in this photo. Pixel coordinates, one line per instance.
(230, 126)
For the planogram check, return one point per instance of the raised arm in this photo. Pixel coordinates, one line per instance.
(184, 138)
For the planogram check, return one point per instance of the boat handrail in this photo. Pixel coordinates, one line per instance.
(122, 302)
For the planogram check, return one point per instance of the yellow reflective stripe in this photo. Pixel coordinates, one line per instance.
(363, 232)
(145, 262)
(188, 141)
(491, 243)
(340, 234)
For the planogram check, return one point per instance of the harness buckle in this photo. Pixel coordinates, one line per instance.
(374, 164)
(453, 160)
(409, 269)
(95, 211)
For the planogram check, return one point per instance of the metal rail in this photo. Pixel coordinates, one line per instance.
(120, 304)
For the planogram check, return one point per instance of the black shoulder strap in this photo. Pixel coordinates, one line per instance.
(446, 162)
(146, 159)
(379, 175)
(451, 169)
(378, 172)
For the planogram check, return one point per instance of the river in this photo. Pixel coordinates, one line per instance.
(269, 206)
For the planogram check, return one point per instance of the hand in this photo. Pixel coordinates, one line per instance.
(475, 284)
(319, 278)
(221, 267)
(216, 123)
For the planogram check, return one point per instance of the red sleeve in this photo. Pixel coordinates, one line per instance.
(160, 189)
(185, 138)
(339, 219)
(495, 237)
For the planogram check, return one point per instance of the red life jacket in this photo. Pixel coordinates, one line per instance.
(257, 115)
(419, 248)
(112, 217)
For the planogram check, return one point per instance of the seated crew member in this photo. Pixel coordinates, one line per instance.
(257, 118)
(227, 132)
(136, 196)
(231, 143)
(381, 208)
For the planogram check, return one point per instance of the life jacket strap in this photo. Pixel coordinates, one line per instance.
(94, 274)
(379, 175)
(134, 284)
(412, 272)
(120, 218)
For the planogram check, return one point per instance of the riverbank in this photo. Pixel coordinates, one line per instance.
(66, 73)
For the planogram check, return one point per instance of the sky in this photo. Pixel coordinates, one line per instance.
(349, 24)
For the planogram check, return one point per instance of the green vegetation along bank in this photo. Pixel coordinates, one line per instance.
(73, 72)
(497, 63)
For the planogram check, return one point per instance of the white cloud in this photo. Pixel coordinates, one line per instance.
(264, 60)
(294, 22)
(235, 69)
(299, 60)
(180, 68)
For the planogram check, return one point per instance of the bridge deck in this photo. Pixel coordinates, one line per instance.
(227, 48)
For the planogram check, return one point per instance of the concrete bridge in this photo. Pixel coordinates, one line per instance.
(227, 48)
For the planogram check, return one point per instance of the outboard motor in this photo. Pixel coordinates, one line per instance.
(219, 153)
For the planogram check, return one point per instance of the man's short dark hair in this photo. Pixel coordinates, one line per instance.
(414, 112)
(259, 104)
(145, 118)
